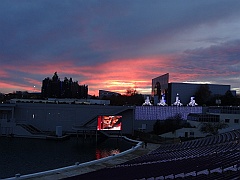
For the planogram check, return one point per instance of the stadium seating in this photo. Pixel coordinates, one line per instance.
(213, 157)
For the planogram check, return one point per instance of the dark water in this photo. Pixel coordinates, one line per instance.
(25, 156)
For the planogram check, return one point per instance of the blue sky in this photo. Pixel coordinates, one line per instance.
(120, 44)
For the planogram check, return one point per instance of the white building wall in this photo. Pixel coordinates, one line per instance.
(230, 120)
(191, 132)
(186, 90)
(47, 116)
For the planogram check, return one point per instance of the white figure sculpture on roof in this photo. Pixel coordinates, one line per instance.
(147, 102)
(177, 102)
(162, 102)
(192, 102)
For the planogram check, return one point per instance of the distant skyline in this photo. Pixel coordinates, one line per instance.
(120, 44)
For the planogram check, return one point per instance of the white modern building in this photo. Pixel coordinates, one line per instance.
(161, 86)
(35, 118)
(225, 114)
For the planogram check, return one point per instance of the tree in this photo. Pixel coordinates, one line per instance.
(203, 94)
(55, 77)
(1, 96)
(135, 99)
(171, 124)
(212, 128)
(130, 98)
(120, 100)
(130, 92)
(228, 99)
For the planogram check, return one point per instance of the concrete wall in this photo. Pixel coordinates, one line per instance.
(231, 118)
(184, 132)
(47, 116)
(146, 126)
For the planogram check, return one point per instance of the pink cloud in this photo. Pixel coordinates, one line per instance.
(3, 73)
(116, 75)
(10, 87)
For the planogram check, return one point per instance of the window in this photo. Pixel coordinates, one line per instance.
(236, 120)
(227, 120)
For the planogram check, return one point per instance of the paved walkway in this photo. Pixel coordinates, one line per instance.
(98, 165)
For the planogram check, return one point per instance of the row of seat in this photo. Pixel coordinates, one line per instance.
(194, 159)
(211, 140)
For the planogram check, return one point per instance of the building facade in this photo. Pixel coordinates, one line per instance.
(17, 118)
(187, 90)
(47, 115)
(162, 87)
(104, 93)
(20, 117)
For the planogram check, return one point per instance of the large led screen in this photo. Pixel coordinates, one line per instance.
(109, 123)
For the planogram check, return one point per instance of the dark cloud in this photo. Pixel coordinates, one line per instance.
(93, 31)
(216, 61)
(90, 33)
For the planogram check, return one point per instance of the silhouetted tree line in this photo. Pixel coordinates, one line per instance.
(204, 97)
(171, 124)
(212, 128)
(130, 98)
(2, 97)
(54, 88)
(19, 95)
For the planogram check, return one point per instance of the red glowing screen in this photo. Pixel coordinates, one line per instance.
(109, 123)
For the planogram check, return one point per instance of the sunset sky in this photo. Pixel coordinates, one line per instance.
(118, 44)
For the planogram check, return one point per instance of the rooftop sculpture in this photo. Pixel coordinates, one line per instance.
(192, 102)
(177, 102)
(147, 102)
(162, 102)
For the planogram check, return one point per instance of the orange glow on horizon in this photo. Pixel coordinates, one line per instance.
(116, 75)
